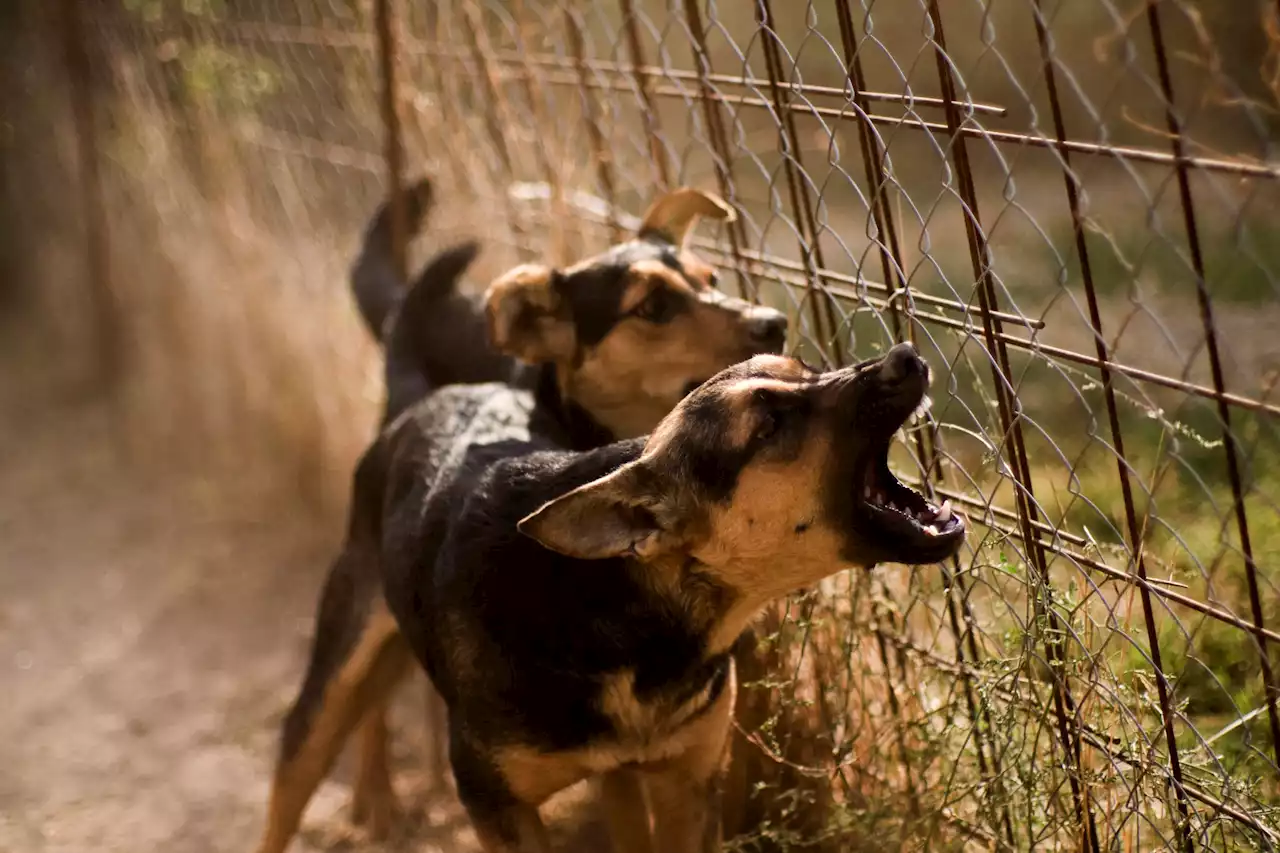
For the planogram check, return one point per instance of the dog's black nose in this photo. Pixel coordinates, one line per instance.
(767, 327)
(902, 362)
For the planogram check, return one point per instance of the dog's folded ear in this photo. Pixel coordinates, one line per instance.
(526, 316)
(610, 517)
(673, 216)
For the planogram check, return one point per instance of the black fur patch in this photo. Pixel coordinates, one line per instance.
(707, 463)
(595, 293)
(564, 421)
(481, 786)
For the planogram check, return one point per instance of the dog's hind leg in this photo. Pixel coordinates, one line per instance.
(357, 659)
(373, 800)
(437, 716)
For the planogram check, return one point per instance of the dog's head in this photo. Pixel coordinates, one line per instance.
(766, 479)
(632, 330)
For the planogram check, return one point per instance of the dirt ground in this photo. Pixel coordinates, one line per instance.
(151, 638)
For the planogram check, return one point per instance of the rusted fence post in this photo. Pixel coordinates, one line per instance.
(108, 343)
(385, 18)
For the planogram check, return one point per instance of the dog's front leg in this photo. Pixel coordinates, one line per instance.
(686, 811)
(685, 792)
(627, 811)
(503, 823)
(516, 829)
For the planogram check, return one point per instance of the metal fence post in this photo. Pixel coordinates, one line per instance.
(386, 14)
(79, 66)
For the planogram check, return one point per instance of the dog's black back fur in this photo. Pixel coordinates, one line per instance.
(464, 584)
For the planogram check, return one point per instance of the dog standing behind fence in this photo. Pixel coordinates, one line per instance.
(578, 610)
(622, 336)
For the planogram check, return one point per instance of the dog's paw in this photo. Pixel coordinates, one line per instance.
(375, 808)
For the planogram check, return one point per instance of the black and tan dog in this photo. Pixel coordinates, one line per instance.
(578, 610)
(624, 329)
(620, 337)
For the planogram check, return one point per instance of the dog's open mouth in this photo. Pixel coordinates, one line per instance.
(907, 527)
(885, 496)
(914, 528)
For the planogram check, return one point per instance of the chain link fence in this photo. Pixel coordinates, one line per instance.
(1070, 206)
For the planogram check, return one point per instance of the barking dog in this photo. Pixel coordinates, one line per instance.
(578, 610)
(620, 338)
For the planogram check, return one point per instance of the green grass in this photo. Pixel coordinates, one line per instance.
(1241, 261)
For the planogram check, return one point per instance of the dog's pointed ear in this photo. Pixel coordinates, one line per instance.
(527, 317)
(613, 516)
(673, 216)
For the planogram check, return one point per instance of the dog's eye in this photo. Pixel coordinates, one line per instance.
(768, 426)
(778, 413)
(713, 278)
(658, 307)
(774, 411)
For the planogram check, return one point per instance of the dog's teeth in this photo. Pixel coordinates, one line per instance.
(931, 530)
(923, 408)
(944, 512)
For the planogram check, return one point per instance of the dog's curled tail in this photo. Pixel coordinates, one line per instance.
(436, 335)
(375, 283)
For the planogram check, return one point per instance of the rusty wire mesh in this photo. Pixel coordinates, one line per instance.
(1072, 209)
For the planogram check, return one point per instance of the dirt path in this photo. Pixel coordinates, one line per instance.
(150, 640)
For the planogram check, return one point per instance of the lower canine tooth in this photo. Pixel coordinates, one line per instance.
(931, 530)
(944, 514)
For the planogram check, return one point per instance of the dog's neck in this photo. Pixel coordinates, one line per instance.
(625, 406)
(625, 414)
(581, 431)
(716, 611)
(720, 612)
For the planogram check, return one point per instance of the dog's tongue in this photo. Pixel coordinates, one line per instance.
(944, 512)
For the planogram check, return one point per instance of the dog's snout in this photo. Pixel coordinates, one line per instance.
(902, 362)
(767, 327)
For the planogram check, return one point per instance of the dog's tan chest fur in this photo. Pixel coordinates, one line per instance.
(642, 725)
(649, 734)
